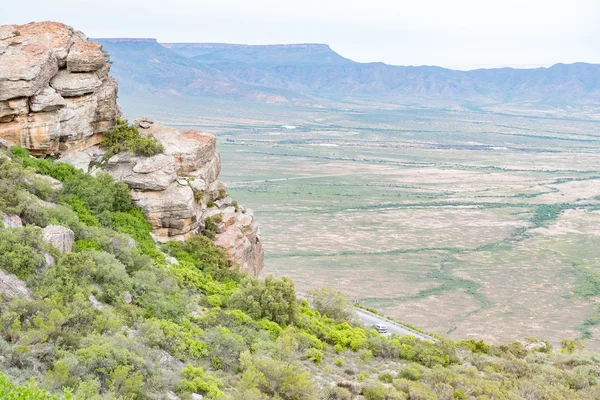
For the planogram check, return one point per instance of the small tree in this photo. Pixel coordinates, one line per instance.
(332, 303)
(273, 299)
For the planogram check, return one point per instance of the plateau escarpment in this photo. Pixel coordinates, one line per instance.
(56, 98)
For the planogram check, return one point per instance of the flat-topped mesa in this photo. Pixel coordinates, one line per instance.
(179, 189)
(55, 92)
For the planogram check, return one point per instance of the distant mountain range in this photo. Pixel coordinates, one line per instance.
(312, 74)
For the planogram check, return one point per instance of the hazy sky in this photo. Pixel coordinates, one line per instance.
(450, 33)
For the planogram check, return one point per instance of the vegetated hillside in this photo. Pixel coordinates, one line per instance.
(305, 71)
(115, 316)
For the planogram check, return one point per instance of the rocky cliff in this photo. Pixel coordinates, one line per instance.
(56, 98)
(55, 92)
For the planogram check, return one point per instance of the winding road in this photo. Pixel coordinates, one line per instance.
(369, 319)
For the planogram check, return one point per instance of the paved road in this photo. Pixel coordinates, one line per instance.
(368, 318)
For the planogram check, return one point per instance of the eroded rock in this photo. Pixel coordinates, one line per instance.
(59, 237)
(11, 286)
(11, 221)
(55, 93)
(174, 190)
(85, 57)
(57, 98)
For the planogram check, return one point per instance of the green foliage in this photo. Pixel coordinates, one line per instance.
(276, 376)
(115, 320)
(410, 373)
(195, 380)
(199, 252)
(570, 345)
(210, 228)
(135, 225)
(332, 303)
(224, 347)
(475, 346)
(348, 337)
(273, 299)
(386, 377)
(546, 213)
(314, 355)
(127, 138)
(9, 391)
(21, 250)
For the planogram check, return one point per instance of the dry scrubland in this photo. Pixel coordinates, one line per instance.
(467, 224)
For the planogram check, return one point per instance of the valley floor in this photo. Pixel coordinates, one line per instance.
(470, 225)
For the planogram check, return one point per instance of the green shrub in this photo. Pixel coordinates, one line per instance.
(9, 391)
(410, 373)
(224, 347)
(210, 228)
(314, 355)
(386, 377)
(127, 138)
(273, 299)
(196, 380)
(21, 250)
(332, 303)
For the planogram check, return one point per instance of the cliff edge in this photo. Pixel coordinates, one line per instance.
(57, 98)
(55, 92)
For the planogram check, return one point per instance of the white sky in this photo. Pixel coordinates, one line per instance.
(452, 33)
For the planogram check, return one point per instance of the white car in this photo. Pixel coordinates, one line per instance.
(381, 328)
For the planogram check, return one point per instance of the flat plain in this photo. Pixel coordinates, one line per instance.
(467, 224)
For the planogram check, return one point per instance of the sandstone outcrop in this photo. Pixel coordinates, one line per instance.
(55, 92)
(56, 98)
(180, 188)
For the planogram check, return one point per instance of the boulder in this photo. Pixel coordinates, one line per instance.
(95, 303)
(127, 298)
(11, 221)
(11, 286)
(59, 237)
(47, 100)
(69, 84)
(85, 57)
(143, 173)
(32, 55)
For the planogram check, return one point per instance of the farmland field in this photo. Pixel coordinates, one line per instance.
(462, 223)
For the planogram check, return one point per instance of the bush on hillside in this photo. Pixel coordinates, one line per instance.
(127, 138)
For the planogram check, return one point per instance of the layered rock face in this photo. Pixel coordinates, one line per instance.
(179, 189)
(56, 98)
(55, 92)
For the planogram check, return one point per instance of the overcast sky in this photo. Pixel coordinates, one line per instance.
(451, 33)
